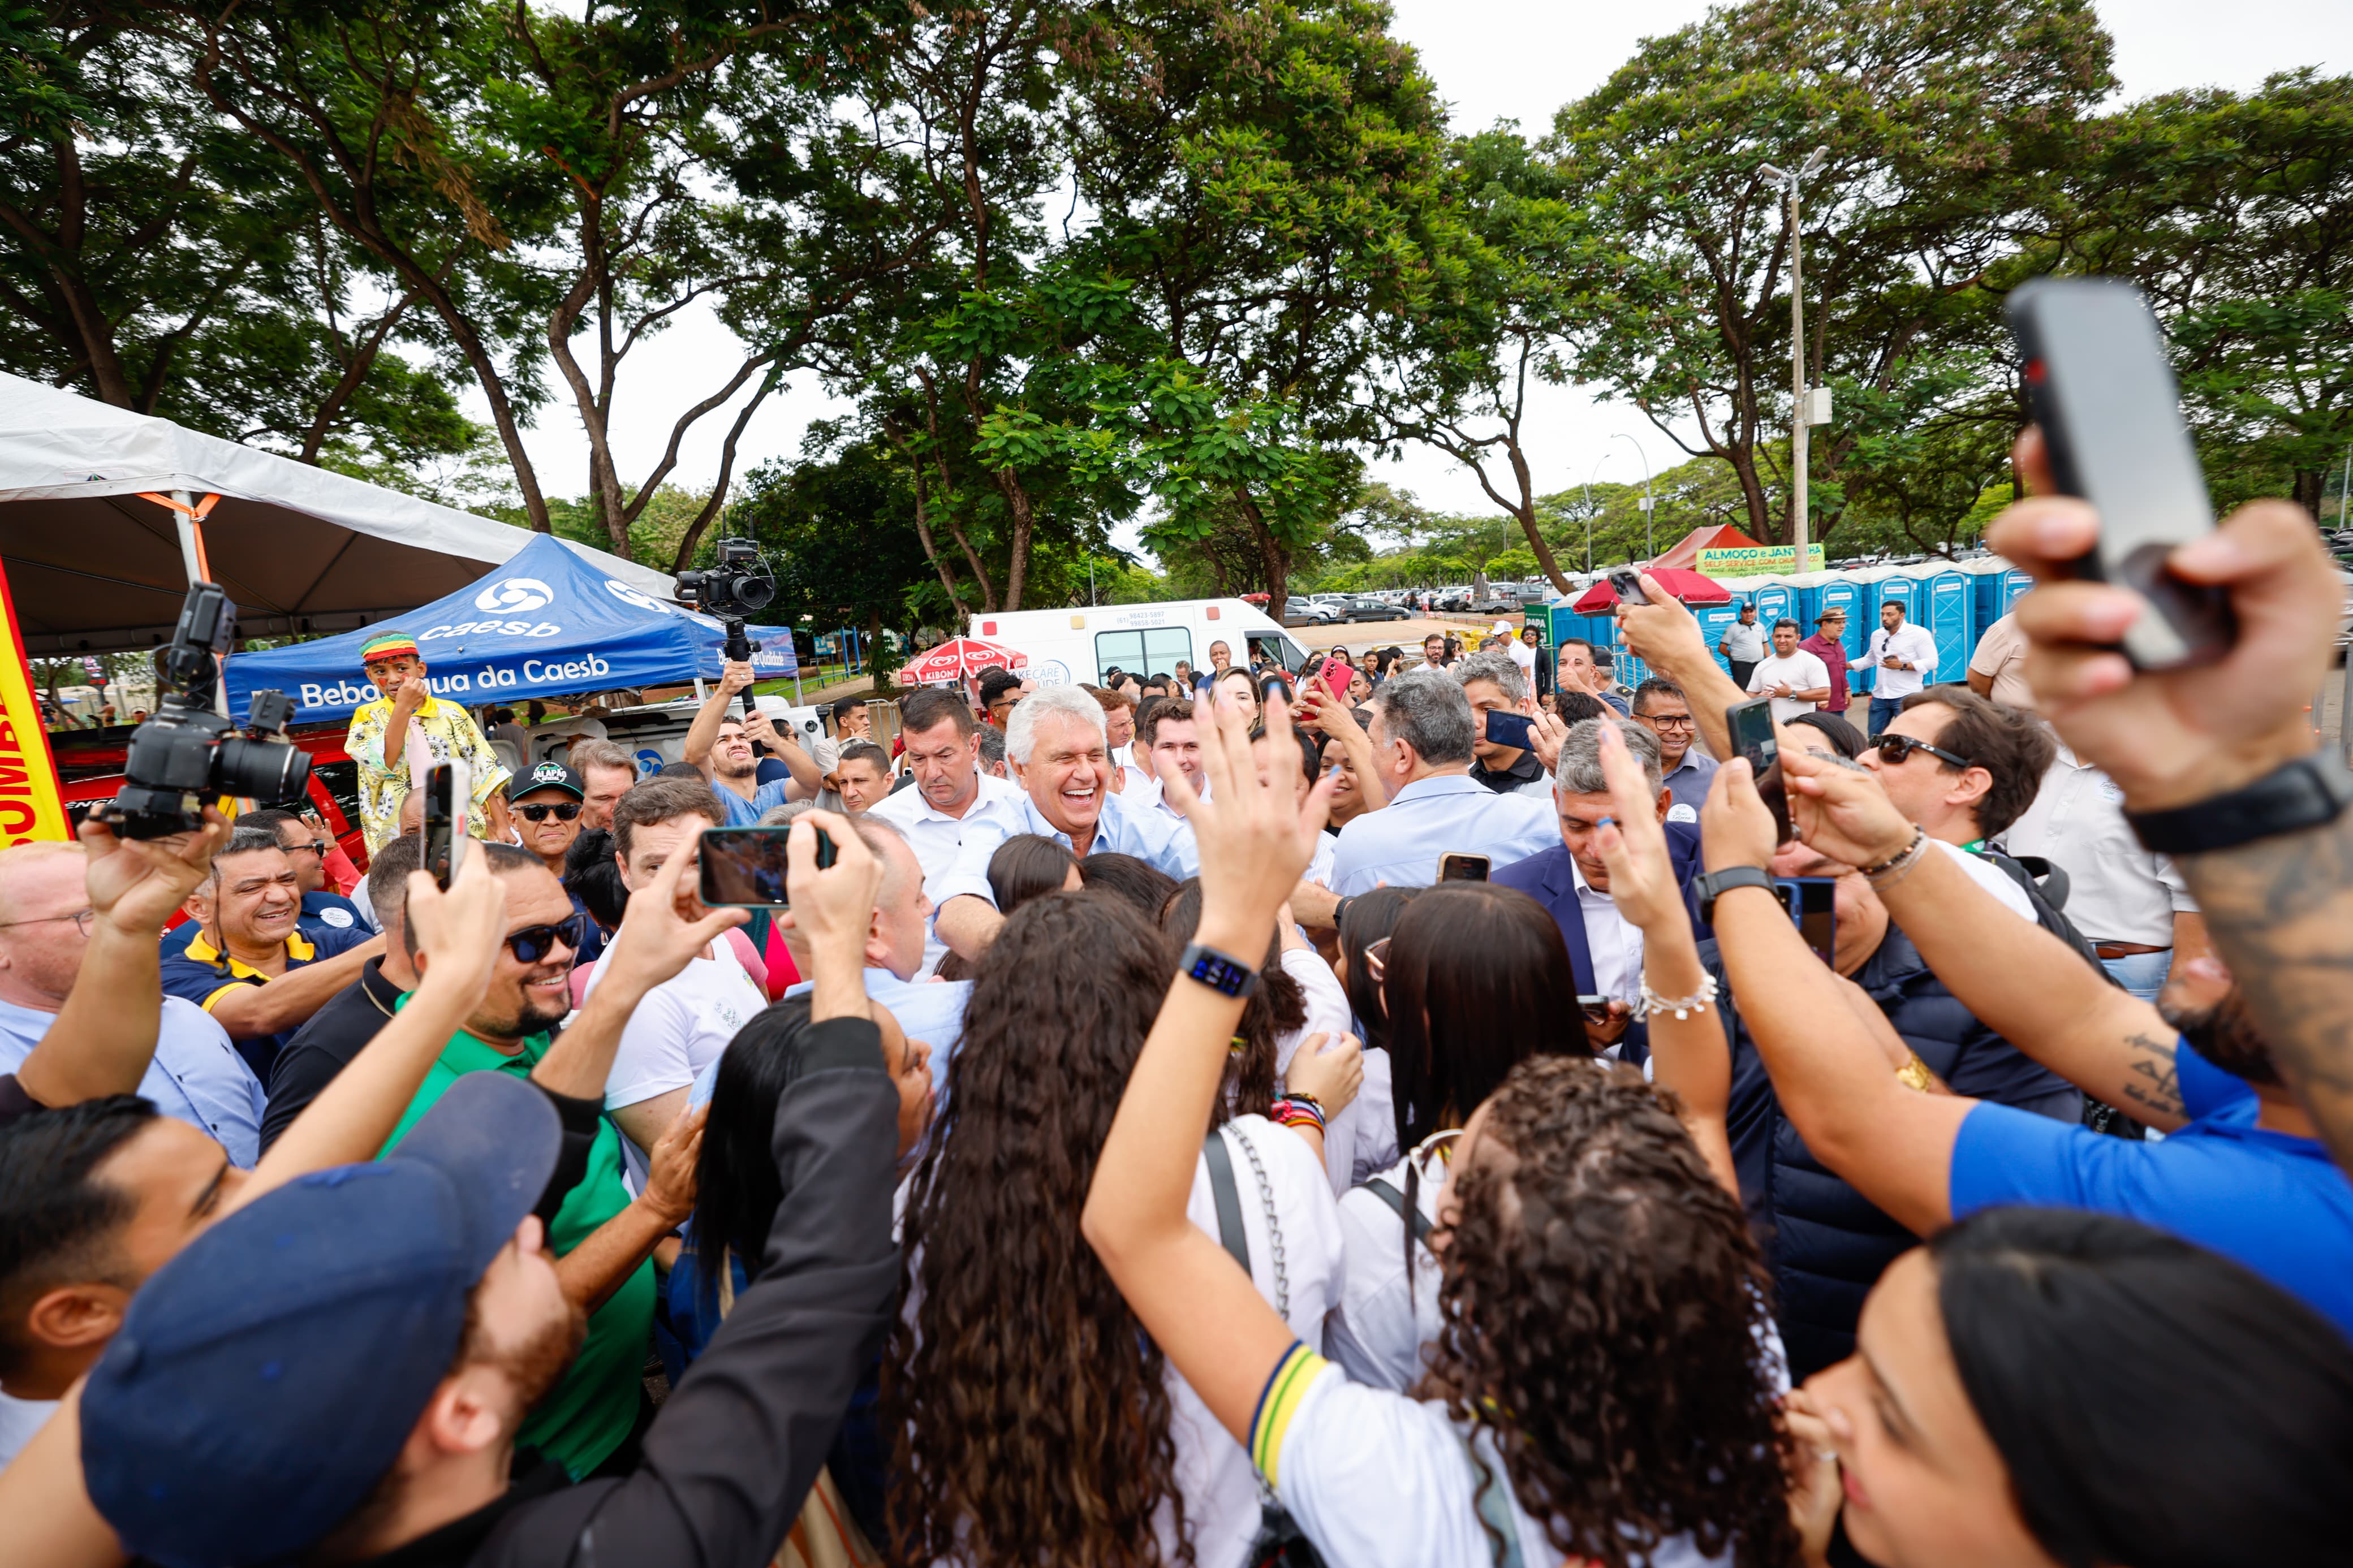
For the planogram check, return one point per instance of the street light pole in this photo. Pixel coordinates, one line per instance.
(1800, 414)
(1588, 512)
(1650, 535)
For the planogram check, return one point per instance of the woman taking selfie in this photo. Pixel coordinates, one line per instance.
(1033, 1421)
(1601, 1388)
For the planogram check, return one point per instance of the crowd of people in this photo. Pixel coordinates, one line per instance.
(1406, 1112)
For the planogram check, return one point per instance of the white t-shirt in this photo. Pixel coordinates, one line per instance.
(1915, 645)
(1525, 656)
(683, 1026)
(1992, 879)
(1379, 1480)
(1801, 671)
(1362, 1139)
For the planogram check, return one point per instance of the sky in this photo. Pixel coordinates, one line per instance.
(1493, 59)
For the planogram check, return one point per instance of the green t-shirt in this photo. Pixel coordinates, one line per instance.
(585, 1417)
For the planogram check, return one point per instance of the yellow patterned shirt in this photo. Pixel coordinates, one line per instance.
(450, 735)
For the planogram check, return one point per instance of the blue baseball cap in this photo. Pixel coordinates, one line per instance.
(264, 1381)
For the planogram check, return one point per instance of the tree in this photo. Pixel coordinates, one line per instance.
(1939, 117)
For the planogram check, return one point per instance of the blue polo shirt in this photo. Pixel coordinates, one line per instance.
(1400, 843)
(2271, 1201)
(195, 1076)
(742, 813)
(200, 973)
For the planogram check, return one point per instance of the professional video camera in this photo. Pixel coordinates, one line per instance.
(740, 585)
(188, 754)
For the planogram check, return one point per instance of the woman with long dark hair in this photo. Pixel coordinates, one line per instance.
(1028, 865)
(1602, 1388)
(1474, 980)
(1033, 1422)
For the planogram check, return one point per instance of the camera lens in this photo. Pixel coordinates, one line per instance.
(754, 591)
(266, 770)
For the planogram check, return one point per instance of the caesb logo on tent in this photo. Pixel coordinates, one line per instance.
(507, 596)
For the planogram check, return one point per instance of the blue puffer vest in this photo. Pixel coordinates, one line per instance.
(1825, 1244)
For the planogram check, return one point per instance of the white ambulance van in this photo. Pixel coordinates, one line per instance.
(1075, 646)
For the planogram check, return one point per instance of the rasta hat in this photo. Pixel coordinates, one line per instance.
(388, 644)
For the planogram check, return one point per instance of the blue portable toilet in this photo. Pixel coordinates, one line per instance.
(1713, 621)
(1775, 600)
(1945, 604)
(1997, 584)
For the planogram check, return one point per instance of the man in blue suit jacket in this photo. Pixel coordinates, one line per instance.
(1571, 881)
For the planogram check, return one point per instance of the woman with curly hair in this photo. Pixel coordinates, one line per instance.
(1473, 981)
(1602, 1389)
(1033, 1421)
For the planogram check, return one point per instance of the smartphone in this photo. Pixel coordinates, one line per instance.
(1595, 1008)
(1336, 676)
(1813, 903)
(743, 868)
(1456, 867)
(1751, 724)
(2103, 390)
(1628, 583)
(449, 791)
(1508, 728)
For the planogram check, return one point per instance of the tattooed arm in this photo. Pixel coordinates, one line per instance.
(2280, 910)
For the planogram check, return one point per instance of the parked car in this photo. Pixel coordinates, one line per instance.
(1298, 612)
(1371, 609)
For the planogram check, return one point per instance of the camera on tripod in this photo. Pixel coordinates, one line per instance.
(188, 754)
(740, 585)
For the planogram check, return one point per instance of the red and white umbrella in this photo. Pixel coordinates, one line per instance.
(960, 658)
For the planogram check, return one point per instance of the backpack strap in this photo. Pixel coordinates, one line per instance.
(1227, 1194)
(1495, 1510)
(1417, 1222)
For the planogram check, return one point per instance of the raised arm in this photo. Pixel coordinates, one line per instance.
(104, 1036)
(2020, 981)
(1193, 1298)
(1320, 711)
(1893, 1144)
(1663, 635)
(288, 1001)
(788, 748)
(703, 733)
(2279, 909)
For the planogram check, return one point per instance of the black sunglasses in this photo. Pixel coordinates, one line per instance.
(532, 944)
(563, 810)
(1899, 748)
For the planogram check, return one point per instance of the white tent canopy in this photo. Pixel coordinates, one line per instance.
(94, 568)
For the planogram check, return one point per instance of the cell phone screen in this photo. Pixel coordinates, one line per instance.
(1813, 903)
(448, 792)
(1751, 724)
(2104, 394)
(1457, 867)
(743, 868)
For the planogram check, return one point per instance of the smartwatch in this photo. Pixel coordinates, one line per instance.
(2310, 791)
(1713, 885)
(1226, 975)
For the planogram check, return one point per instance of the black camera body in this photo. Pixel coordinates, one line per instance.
(741, 585)
(188, 754)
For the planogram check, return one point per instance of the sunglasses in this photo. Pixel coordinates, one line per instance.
(533, 944)
(318, 847)
(563, 811)
(1899, 748)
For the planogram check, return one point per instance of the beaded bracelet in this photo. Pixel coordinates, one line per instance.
(1651, 1002)
(1897, 866)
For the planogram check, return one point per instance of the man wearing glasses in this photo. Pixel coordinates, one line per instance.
(1964, 769)
(249, 964)
(1661, 707)
(547, 816)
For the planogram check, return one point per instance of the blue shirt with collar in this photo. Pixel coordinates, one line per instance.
(203, 975)
(1400, 843)
(930, 1011)
(197, 1077)
(1690, 780)
(1146, 833)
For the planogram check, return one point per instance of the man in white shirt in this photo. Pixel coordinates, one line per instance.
(2131, 904)
(1797, 680)
(1742, 645)
(951, 791)
(684, 1023)
(1900, 658)
(1171, 733)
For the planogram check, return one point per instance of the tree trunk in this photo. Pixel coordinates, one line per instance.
(1017, 570)
(874, 649)
(2310, 483)
(1761, 523)
(924, 533)
(1273, 559)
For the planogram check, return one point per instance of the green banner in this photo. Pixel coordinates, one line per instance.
(1771, 558)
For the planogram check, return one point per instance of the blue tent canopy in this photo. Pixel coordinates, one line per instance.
(545, 624)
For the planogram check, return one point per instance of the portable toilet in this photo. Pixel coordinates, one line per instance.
(1714, 619)
(1945, 604)
(1775, 600)
(1997, 584)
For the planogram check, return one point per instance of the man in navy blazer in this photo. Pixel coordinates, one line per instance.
(1572, 882)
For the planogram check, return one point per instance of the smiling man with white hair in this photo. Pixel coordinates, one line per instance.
(1060, 755)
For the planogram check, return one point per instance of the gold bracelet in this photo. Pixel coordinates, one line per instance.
(1914, 1073)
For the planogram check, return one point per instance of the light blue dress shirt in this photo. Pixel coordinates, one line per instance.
(1400, 843)
(1146, 832)
(930, 1011)
(197, 1075)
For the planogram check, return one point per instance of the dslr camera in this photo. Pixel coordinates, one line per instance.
(188, 754)
(741, 585)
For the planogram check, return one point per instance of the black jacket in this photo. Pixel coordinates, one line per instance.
(326, 1045)
(729, 1462)
(1824, 1242)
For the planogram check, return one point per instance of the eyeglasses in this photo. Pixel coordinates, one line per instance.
(1899, 748)
(563, 811)
(533, 944)
(1668, 721)
(318, 847)
(81, 921)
